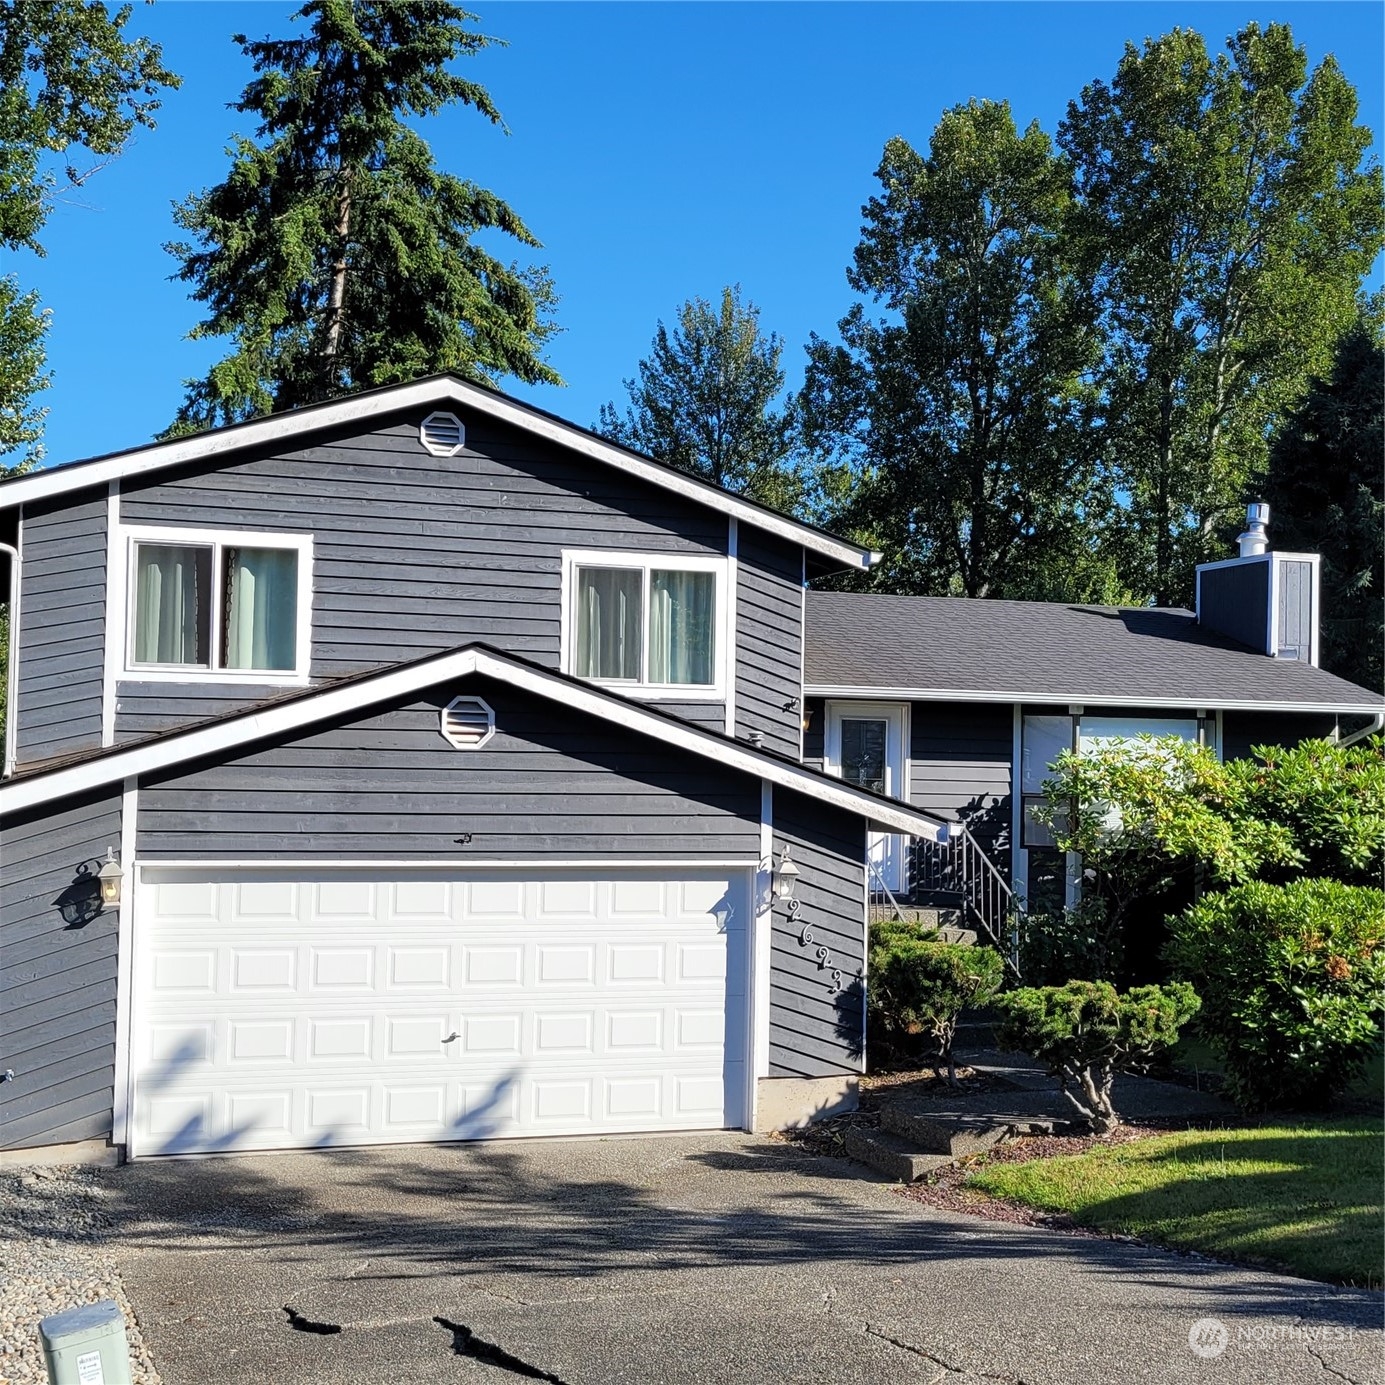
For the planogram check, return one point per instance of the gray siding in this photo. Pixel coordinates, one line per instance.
(413, 554)
(1234, 601)
(144, 708)
(57, 982)
(959, 768)
(550, 784)
(61, 627)
(813, 1032)
(1243, 730)
(1296, 617)
(769, 640)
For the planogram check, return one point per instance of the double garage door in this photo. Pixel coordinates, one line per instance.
(279, 1009)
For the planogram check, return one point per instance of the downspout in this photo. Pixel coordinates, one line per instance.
(12, 660)
(1376, 722)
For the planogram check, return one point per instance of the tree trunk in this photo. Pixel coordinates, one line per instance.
(336, 300)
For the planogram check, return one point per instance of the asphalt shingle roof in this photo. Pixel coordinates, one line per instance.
(1048, 651)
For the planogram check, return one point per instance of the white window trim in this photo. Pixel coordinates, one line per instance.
(302, 544)
(715, 691)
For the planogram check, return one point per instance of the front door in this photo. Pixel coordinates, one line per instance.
(865, 746)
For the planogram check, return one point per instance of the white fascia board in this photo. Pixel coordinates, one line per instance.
(148, 757)
(419, 394)
(1227, 704)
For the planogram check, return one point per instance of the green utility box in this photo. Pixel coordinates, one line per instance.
(86, 1345)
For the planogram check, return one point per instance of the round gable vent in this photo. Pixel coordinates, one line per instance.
(467, 723)
(442, 434)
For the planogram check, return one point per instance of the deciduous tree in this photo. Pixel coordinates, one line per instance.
(336, 256)
(1226, 217)
(960, 418)
(709, 400)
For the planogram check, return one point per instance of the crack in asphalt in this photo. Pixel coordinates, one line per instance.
(1332, 1370)
(938, 1360)
(466, 1343)
(301, 1324)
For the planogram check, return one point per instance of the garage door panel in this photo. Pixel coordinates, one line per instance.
(429, 1009)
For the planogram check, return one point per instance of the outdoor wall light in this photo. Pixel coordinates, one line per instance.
(109, 878)
(786, 878)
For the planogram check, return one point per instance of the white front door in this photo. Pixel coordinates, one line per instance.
(320, 1006)
(865, 746)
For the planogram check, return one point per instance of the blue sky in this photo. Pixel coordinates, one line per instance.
(658, 150)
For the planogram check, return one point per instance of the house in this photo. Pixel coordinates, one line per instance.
(418, 766)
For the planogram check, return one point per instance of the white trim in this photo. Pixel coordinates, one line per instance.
(362, 408)
(117, 557)
(1019, 854)
(1272, 614)
(124, 963)
(277, 719)
(802, 650)
(733, 581)
(716, 690)
(1317, 608)
(895, 715)
(1239, 562)
(762, 956)
(11, 669)
(1037, 697)
(216, 539)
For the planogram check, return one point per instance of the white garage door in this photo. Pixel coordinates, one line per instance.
(336, 1008)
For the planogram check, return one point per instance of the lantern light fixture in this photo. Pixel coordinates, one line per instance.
(786, 877)
(109, 878)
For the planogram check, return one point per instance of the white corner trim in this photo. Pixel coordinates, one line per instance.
(145, 757)
(733, 579)
(423, 394)
(124, 973)
(1040, 698)
(762, 961)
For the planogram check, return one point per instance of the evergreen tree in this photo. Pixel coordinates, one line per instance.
(336, 256)
(73, 88)
(960, 421)
(1226, 219)
(707, 401)
(1327, 495)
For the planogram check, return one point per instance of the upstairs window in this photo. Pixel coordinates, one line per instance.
(648, 623)
(219, 604)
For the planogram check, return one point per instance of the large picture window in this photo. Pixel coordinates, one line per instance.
(651, 622)
(223, 604)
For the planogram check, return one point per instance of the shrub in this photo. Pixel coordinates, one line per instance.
(1087, 1032)
(1291, 978)
(921, 985)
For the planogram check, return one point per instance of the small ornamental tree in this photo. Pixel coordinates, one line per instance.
(1293, 980)
(1087, 1032)
(920, 985)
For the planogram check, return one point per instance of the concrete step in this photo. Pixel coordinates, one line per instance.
(950, 1136)
(891, 1154)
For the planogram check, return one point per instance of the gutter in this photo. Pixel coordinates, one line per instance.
(1376, 723)
(12, 661)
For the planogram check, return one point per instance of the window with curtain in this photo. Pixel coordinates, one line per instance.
(215, 606)
(648, 625)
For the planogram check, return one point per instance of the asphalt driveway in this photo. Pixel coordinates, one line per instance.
(676, 1259)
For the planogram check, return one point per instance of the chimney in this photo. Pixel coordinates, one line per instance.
(1264, 600)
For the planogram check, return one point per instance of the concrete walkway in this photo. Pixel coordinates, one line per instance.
(716, 1258)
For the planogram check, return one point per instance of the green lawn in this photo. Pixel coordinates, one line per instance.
(1303, 1197)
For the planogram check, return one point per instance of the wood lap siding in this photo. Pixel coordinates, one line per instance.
(414, 554)
(144, 708)
(57, 983)
(769, 636)
(959, 768)
(550, 784)
(814, 1033)
(61, 627)
(1242, 731)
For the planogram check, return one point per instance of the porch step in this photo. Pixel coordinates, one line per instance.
(947, 921)
(947, 1136)
(891, 1154)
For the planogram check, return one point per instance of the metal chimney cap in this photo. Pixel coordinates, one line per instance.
(1255, 541)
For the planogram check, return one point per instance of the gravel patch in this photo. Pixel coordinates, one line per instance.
(53, 1226)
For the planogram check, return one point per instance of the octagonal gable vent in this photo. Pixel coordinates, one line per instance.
(442, 434)
(467, 723)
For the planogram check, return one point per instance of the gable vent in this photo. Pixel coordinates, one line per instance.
(442, 434)
(467, 723)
